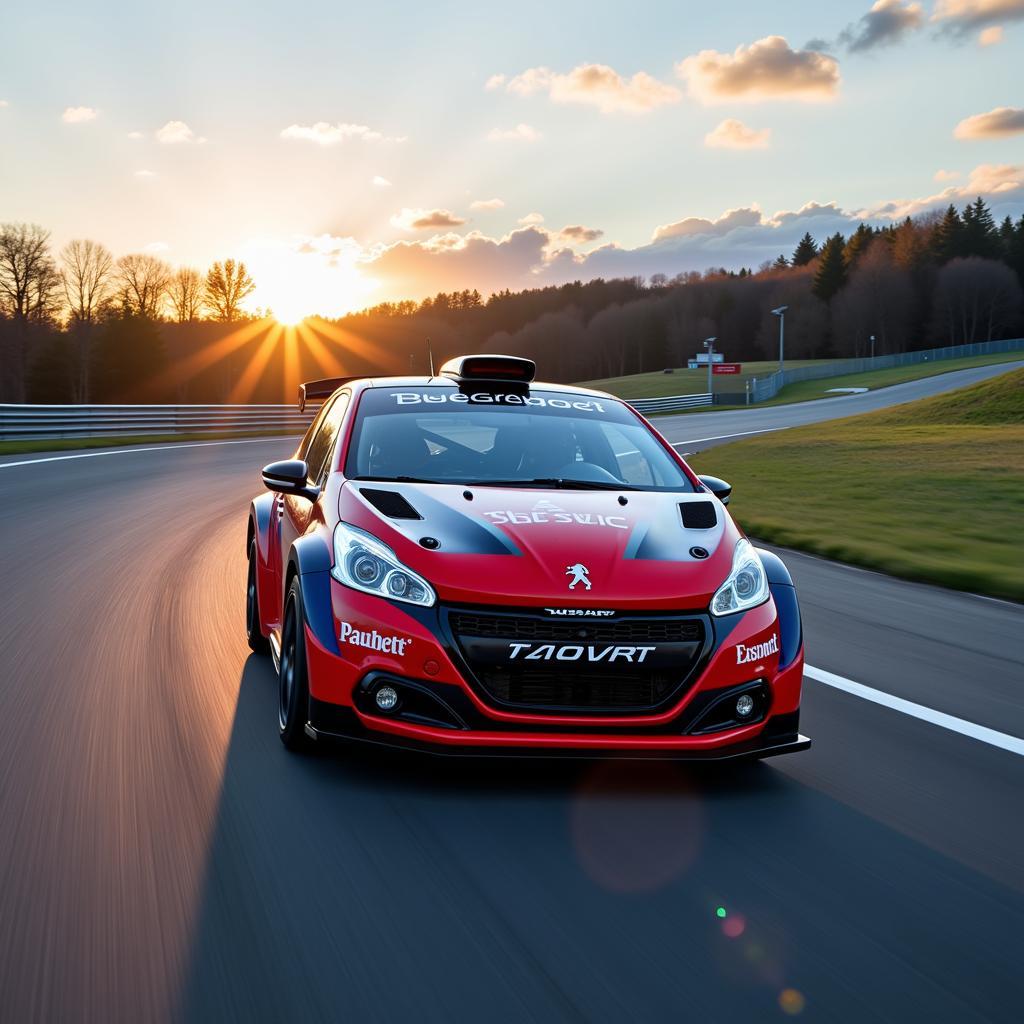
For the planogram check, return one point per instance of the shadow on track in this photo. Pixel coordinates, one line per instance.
(363, 885)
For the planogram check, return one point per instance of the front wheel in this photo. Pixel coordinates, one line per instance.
(293, 693)
(257, 641)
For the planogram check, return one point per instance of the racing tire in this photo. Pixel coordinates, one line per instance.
(256, 640)
(293, 684)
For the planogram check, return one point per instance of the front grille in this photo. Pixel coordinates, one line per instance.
(578, 665)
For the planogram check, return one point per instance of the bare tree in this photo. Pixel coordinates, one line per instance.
(186, 294)
(87, 270)
(228, 284)
(24, 262)
(142, 282)
(879, 301)
(28, 283)
(975, 299)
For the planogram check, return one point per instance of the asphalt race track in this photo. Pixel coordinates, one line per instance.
(163, 857)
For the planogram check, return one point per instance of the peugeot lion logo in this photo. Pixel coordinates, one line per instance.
(579, 574)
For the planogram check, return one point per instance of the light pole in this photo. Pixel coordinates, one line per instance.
(709, 344)
(872, 346)
(781, 314)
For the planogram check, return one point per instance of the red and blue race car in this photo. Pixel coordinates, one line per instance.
(478, 563)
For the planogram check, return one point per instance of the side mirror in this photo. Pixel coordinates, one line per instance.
(289, 477)
(719, 488)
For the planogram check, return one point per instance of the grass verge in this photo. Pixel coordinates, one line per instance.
(67, 444)
(694, 382)
(931, 491)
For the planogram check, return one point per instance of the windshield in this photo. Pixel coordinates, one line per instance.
(544, 438)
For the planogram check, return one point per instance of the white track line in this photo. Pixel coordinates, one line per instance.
(130, 451)
(907, 707)
(721, 437)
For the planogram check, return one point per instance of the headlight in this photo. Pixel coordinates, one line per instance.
(746, 586)
(363, 563)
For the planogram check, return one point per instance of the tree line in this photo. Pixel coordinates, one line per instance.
(80, 325)
(91, 317)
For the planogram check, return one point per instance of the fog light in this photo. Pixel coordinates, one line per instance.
(744, 705)
(387, 698)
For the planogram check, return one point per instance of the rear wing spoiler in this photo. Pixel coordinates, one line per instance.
(320, 389)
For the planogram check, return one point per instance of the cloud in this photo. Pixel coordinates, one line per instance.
(136, 135)
(324, 134)
(596, 85)
(414, 269)
(578, 234)
(961, 17)
(888, 22)
(733, 134)
(742, 237)
(521, 133)
(175, 133)
(1001, 183)
(378, 182)
(941, 175)
(747, 216)
(768, 69)
(423, 220)
(532, 218)
(145, 174)
(4, 103)
(991, 36)
(996, 124)
(487, 204)
(154, 247)
(79, 115)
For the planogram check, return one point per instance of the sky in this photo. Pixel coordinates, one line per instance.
(356, 153)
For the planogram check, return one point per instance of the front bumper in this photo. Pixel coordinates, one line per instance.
(357, 642)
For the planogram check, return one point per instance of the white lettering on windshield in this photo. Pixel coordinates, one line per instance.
(486, 398)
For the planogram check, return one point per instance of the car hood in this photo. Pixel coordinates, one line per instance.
(528, 546)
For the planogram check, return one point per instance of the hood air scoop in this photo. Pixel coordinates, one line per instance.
(389, 503)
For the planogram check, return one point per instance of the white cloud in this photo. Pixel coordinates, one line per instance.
(79, 115)
(4, 103)
(521, 133)
(1002, 183)
(325, 134)
(996, 124)
(991, 36)
(746, 216)
(378, 182)
(145, 174)
(423, 220)
(532, 218)
(136, 135)
(155, 247)
(176, 132)
(487, 204)
(768, 69)
(596, 85)
(941, 175)
(733, 134)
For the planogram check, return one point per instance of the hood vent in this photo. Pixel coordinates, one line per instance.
(698, 515)
(389, 503)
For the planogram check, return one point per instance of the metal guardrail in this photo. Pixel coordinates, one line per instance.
(763, 388)
(39, 422)
(674, 403)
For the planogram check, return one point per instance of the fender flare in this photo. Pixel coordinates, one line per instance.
(310, 561)
(780, 583)
(261, 508)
